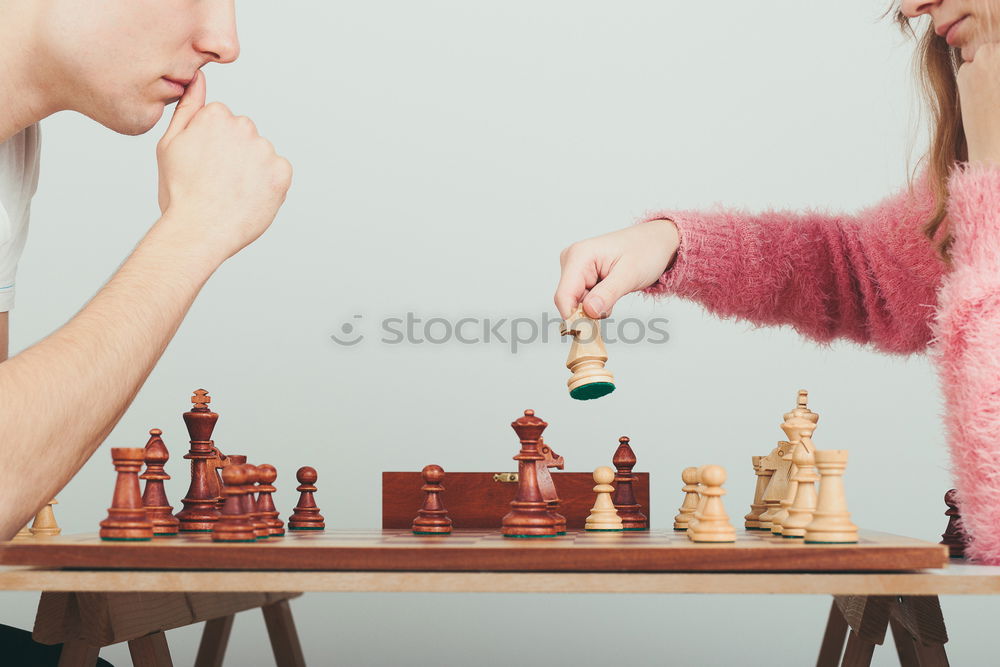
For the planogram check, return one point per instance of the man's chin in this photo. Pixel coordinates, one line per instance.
(132, 122)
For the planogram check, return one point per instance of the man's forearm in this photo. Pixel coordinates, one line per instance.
(60, 398)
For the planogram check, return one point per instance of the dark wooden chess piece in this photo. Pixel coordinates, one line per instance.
(432, 518)
(547, 485)
(154, 497)
(624, 497)
(954, 536)
(265, 503)
(201, 509)
(529, 515)
(306, 515)
(127, 518)
(234, 525)
(260, 527)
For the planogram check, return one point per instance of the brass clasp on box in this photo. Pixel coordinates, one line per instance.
(507, 477)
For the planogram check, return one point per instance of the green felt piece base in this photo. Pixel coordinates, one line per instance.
(585, 392)
(792, 537)
(521, 537)
(713, 542)
(234, 540)
(635, 529)
(752, 528)
(421, 532)
(307, 529)
(127, 539)
(164, 534)
(196, 531)
(604, 530)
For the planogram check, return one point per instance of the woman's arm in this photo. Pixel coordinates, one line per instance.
(870, 277)
(966, 350)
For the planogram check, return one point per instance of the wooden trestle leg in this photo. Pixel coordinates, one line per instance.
(917, 624)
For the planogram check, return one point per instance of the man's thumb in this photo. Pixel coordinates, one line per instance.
(190, 103)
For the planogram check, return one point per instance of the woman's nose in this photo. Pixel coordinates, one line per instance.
(914, 8)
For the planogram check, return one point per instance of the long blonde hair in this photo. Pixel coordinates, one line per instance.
(936, 64)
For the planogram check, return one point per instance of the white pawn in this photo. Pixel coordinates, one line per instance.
(713, 523)
(604, 516)
(686, 511)
(831, 522)
(45, 521)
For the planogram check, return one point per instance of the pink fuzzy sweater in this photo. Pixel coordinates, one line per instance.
(874, 278)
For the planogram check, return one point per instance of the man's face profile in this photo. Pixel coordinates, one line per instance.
(121, 62)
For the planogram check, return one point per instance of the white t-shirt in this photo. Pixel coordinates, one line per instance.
(18, 182)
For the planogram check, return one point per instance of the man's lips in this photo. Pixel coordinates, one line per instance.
(183, 83)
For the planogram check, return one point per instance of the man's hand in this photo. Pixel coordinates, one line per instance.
(599, 271)
(979, 92)
(218, 177)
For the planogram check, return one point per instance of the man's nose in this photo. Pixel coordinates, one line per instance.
(914, 8)
(216, 37)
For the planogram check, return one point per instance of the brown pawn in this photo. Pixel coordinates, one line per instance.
(154, 497)
(432, 518)
(306, 516)
(265, 503)
(954, 536)
(234, 525)
(628, 507)
(260, 527)
(529, 515)
(127, 518)
(201, 508)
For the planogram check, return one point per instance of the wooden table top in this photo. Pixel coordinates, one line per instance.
(959, 578)
(478, 551)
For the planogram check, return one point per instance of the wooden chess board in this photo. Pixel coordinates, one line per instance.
(480, 550)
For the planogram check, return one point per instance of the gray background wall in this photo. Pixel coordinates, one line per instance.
(445, 152)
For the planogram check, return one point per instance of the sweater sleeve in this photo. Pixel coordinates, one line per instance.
(966, 349)
(869, 277)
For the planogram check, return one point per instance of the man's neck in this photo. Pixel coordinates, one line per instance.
(22, 75)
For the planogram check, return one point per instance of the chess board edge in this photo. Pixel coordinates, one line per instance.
(481, 551)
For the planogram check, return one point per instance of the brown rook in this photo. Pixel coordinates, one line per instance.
(432, 518)
(127, 518)
(529, 515)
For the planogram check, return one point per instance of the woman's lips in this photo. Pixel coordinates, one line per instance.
(950, 35)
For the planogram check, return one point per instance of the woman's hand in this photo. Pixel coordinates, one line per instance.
(601, 270)
(979, 92)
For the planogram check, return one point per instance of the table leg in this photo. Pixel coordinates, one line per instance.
(150, 651)
(78, 654)
(905, 644)
(284, 639)
(919, 631)
(859, 651)
(833, 639)
(214, 640)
